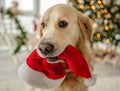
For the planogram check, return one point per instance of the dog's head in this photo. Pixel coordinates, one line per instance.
(62, 25)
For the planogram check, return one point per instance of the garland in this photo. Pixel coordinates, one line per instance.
(22, 37)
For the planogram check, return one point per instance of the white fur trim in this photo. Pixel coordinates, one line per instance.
(91, 81)
(37, 79)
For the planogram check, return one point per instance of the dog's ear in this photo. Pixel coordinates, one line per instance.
(85, 24)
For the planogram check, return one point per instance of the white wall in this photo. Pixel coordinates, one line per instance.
(28, 5)
(23, 4)
(45, 4)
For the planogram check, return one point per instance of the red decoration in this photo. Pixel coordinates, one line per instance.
(71, 55)
(35, 25)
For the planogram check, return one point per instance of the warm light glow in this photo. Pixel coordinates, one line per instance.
(88, 7)
(106, 27)
(105, 10)
(81, 6)
(108, 40)
(98, 35)
(101, 6)
(72, 0)
(98, 16)
(93, 7)
(102, 11)
(110, 21)
(95, 26)
(79, 1)
(99, 2)
(109, 15)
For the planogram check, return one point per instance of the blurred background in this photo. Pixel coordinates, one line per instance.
(19, 35)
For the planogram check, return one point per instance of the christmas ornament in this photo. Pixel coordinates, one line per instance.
(34, 25)
(36, 71)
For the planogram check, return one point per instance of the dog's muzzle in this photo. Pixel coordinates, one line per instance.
(46, 48)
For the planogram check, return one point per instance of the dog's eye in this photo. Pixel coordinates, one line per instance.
(43, 25)
(63, 24)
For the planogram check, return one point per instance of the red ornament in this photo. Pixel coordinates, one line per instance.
(35, 25)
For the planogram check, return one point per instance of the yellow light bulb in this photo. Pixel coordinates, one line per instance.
(101, 6)
(99, 2)
(106, 27)
(98, 35)
(102, 11)
(81, 6)
(93, 7)
(98, 16)
(105, 10)
(79, 1)
(107, 40)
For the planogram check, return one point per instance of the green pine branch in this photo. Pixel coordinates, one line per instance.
(21, 38)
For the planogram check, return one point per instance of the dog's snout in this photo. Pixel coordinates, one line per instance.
(46, 48)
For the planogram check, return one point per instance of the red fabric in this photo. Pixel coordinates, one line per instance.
(71, 55)
(76, 62)
(52, 71)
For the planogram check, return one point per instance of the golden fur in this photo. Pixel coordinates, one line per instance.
(77, 33)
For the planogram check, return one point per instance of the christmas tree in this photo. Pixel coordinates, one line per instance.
(106, 14)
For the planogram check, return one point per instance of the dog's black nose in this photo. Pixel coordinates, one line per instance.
(46, 48)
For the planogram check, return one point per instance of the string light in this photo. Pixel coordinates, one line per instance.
(101, 6)
(106, 27)
(98, 35)
(105, 10)
(102, 11)
(99, 2)
(79, 1)
(107, 40)
(98, 16)
(93, 7)
(81, 6)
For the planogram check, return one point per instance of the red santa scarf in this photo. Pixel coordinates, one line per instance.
(55, 71)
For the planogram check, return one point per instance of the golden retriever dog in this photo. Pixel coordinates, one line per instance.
(60, 26)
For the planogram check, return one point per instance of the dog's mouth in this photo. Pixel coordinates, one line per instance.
(52, 59)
